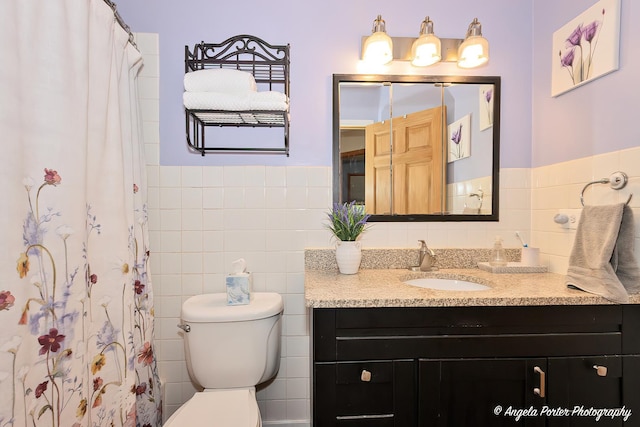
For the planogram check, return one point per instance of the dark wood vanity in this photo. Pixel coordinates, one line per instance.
(476, 366)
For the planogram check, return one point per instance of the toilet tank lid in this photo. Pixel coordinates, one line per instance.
(214, 308)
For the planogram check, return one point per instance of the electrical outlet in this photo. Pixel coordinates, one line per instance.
(574, 218)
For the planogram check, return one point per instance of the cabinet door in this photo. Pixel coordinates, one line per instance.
(574, 383)
(479, 392)
(365, 394)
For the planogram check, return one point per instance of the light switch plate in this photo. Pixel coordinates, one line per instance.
(574, 218)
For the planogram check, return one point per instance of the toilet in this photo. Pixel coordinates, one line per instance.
(229, 350)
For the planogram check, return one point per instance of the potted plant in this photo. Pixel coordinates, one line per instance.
(347, 221)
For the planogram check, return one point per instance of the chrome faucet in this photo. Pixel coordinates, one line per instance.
(427, 257)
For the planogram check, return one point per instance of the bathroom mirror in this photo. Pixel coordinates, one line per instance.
(417, 148)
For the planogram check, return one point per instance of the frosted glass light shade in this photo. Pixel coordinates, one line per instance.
(426, 50)
(473, 52)
(378, 48)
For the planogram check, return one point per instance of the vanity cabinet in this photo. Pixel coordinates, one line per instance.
(475, 366)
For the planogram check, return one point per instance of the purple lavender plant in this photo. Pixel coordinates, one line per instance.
(347, 221)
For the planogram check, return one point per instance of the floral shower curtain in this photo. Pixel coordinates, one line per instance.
(76, 309)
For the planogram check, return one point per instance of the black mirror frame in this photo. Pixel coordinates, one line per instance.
(495, 168)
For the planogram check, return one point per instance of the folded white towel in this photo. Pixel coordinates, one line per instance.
(590, 266)
(239, 101)
(219, 80)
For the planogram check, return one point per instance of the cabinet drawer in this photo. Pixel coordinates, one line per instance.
(367, 393)
(508, 345)
(441, 332)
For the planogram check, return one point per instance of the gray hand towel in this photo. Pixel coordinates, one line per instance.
(590, 266)
(623, 260)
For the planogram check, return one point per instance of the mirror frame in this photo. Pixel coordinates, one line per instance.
(383, 78)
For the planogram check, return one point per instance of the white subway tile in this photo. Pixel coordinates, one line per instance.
(170, 241)
(192, 198)
(213, 176)
(319, 177)
(296, 198)
(298, 388)
(192, 242)
(170, 219)
(275, 176)
(192, 219)
(296, 324)
(234, 176)
(296, 176)
(298, 409)
(275, 410)
(191, 176)
(191, 284)
(255, 176)
(213, 198)
(170, 263)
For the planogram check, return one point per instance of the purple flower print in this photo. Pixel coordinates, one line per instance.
(567, 59)
(50, 342)
(41, 388)
(590, 31)
(456, 137)
(584, 38)
(488, 94)
(574, 37)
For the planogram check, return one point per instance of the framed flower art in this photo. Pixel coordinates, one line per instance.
(586, 48)
(459, 140)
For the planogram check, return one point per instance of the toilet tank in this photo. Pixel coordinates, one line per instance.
(229, 346)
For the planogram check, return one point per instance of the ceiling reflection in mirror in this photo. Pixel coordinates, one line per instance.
(417, 148)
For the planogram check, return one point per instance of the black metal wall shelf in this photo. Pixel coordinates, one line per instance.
(269, 65)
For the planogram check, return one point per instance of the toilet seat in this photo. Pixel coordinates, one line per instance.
(218, 408)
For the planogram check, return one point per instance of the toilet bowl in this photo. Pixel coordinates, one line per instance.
(218, 408)
(229, 350)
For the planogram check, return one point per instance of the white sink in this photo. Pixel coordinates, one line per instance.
(446, 284)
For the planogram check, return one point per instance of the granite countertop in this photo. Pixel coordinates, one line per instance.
(384, 288)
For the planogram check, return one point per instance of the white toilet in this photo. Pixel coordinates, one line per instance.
(229, 349)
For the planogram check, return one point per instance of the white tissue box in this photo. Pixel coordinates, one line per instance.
(239, 288)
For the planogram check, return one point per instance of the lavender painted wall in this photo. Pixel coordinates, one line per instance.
(325, 39)
(597, 118)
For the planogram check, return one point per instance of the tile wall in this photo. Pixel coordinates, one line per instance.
(203, 218)
(559, 186)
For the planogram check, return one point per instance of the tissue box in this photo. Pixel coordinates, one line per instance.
(239, 288)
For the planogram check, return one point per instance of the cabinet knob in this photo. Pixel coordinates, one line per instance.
(365, 376)
(600, 370)
(540, 391)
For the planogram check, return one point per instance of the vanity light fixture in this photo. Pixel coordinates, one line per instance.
(426, 49)
(378, 47)
(474, 50)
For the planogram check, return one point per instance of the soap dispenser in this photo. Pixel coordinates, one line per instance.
(498, 255)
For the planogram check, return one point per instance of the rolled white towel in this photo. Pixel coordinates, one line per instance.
(219, 80)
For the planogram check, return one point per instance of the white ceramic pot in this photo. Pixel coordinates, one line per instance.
(348, 257)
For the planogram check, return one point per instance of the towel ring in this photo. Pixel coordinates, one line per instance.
(616, 181)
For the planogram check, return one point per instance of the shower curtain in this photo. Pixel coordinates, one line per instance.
(76, 308)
